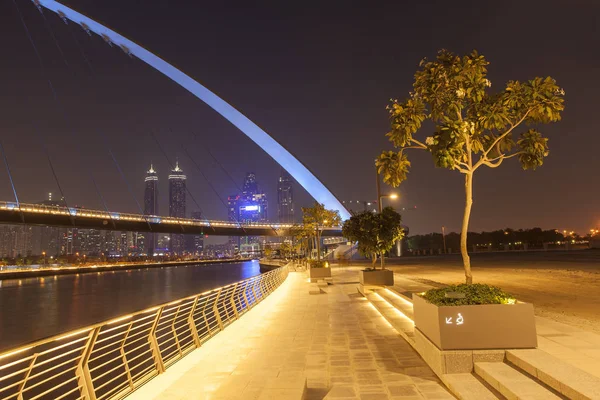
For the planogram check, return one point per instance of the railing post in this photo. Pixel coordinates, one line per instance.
(22, 385)
(193, 325)
(175, 331)
(248, 306)
(232, 301)
(84, 378)
(216, 310)
(124, 357)
(158, 361)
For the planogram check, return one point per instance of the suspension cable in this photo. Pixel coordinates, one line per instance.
(103, 134)
(68, 121)
(12, 182)
(208, 181)
(42, 139)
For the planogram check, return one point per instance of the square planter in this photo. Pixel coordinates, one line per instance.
(486, 326)
(317, 274)
(379, 277)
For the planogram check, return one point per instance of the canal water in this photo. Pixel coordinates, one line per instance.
(35, 308)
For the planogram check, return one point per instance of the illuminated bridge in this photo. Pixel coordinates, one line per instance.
(35, 214)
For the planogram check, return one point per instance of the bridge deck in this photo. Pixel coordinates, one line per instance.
(337, 341)
(35, 214)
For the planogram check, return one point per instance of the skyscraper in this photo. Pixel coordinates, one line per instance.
(151, 206)
(250, 184)
(285, 198)
(177, 195)
(249, 206)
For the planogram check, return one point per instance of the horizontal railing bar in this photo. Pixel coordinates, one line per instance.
(48, 379)
(110, 381)
(117, 357)
(137, 348)
(120, 386)
(17, 361)
(33, 376)
(142, 372)
(138, 356)
(11, 375)
(94, 379)
(53, 388)
(68, 393)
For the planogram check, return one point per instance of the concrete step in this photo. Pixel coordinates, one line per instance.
(562, 377)
(468, 387)
(397, 300)
(512, 384)
(399, 321)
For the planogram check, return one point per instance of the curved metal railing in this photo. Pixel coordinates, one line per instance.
(111, 359)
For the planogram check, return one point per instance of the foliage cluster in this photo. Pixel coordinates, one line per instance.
(318, 264)
(474, 294)
(314, 219)
(375, 233)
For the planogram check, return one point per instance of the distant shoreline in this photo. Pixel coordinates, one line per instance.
(35, 273)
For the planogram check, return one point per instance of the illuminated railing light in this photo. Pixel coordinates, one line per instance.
(12, 353)
(68, 335)
(114, 321)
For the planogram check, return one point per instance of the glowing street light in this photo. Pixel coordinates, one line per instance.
(392, 196)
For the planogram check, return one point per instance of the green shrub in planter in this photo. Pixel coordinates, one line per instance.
(474, 294)
(319, 264)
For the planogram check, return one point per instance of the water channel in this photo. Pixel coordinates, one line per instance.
(35, 308)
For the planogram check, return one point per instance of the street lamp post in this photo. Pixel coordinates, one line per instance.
(380, 198)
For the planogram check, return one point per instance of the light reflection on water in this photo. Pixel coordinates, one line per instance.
(34, 308)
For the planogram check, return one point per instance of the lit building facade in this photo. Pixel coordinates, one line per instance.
(285, 198)
(149, 243)
(249, 206)
(177, 197)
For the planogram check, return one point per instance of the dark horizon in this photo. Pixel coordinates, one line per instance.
(316, 78)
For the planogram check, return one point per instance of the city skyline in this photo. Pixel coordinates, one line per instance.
(336, 149)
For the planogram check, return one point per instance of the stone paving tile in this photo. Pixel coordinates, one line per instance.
(336, 341)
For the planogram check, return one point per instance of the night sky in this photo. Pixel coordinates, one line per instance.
(317, 77)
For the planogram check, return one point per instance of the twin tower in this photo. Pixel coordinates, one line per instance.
(177, 196)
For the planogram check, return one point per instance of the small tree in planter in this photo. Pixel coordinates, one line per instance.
(473, 127)
(316, 218)
(375, 233)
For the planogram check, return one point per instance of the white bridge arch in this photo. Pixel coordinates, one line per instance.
(300, 173)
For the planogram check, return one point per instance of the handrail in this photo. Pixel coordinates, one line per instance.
(111, 359)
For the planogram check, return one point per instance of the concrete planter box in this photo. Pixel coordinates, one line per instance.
(317, 274)
(380, 277)
(487, 326)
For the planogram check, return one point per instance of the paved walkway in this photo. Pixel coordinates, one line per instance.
(337, 341)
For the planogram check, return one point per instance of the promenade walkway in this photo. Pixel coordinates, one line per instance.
(336, 342)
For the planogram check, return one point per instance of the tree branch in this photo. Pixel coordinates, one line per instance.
(498, 160)
(421, 145)
(505, 157)
(499, 138)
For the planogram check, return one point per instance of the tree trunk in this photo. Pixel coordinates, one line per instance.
(318, 246)
(465, 227)
(382, 255)
(374, 256)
